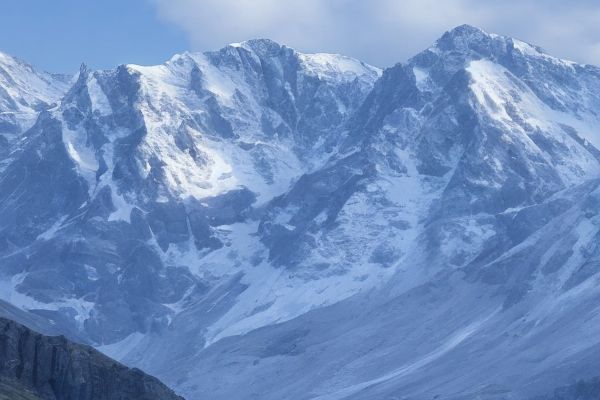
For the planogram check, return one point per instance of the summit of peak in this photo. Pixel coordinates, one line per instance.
(468, 41)
(258, 44)
(464, 37)
(466, 30)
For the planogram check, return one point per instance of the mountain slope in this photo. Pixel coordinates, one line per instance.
(260, 223)
(143, 177)
(35, 366)
(465, 197)
(24, 93)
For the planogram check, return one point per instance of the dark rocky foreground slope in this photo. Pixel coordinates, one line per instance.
(34, 366)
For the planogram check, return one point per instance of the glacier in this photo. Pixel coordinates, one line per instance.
(259, 223)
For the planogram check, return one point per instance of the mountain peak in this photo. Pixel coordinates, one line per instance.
(464, 38)
(466, 30)
(327, 66)
(470, 42)
(25, 91)
(259, 44)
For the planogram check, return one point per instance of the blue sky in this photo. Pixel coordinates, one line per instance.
(58, 35)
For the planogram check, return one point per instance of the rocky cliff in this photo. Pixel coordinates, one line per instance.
(34, 366)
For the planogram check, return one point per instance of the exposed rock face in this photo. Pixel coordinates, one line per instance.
(35, 366)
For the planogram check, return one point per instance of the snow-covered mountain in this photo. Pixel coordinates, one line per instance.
(24, 93)
(260, 223)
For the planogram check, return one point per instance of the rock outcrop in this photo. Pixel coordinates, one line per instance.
(34, 366)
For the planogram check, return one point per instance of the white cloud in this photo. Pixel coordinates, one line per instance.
(385, 31)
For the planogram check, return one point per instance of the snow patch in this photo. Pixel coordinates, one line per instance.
(82, 155)
(98, 98)
(422, 78)
(336, 67)
(51, 232)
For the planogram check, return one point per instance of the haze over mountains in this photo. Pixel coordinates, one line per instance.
(257, 223)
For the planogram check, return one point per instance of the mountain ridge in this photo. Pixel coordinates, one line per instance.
(254, 211)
